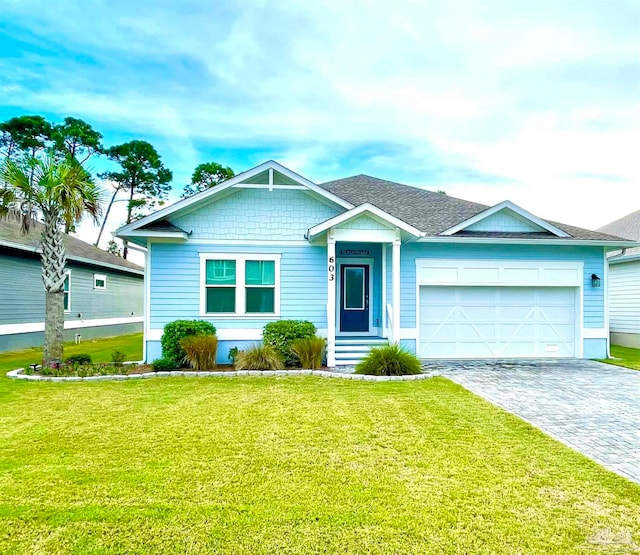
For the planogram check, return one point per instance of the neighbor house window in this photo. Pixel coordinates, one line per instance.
(239, 284)
(99, 281)
(67, 292)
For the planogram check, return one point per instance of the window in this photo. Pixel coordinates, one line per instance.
(240, 284)
(99, 281)
(67, 292)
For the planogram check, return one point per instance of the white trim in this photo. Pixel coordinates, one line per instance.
(384, 290)
(595, 333)
(68, 309)
(240, 285)
(357, 211)
(269, 187)
(174, 235)
(605, 278)
(510, 241)
(99, 277)
(332, 265)
(228, 334)
(126, 230)
(355, 261)
(146, 309)
(409, 333)
(506, 205)
(395, 289)
(13, 329)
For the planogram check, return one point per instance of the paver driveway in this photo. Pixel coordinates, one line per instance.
(592, 407)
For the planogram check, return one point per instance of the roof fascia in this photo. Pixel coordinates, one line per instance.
(621, 259)
(357, 211)
(507, 204)
(218, 189)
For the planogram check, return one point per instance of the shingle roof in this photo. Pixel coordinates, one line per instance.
(77, 250)
(627, 227)
(432, 213)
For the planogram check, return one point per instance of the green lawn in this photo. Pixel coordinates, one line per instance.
(624, 356)
(293, 465)
(99, 349)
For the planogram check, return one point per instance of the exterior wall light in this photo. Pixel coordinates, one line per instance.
(595, 280)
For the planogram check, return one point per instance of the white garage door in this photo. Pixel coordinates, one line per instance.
(496, 322)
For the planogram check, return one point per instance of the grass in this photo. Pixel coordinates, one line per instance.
(294, 466)
(624, 356)
(99, 349)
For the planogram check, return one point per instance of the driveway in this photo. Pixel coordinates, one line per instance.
(591, 407)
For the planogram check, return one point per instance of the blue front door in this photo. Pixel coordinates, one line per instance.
(354, 298)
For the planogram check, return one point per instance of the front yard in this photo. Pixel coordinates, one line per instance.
(624, 356)
(293, 465)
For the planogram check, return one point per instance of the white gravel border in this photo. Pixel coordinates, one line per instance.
(19, 375)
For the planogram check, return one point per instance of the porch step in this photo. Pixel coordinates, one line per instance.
(350, 351)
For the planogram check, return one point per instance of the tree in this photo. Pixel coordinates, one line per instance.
(76, 138)
(205, 176)
(142, 175)
(60, 192)
(113, 248)
(24, 136)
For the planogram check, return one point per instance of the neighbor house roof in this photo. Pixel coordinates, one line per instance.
(629, 228)
(11, 236)
(432, 213)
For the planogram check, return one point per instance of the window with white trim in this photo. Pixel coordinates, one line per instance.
(99, 281)
(240, 284)
(67, 292)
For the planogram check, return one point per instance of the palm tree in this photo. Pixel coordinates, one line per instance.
(59, 192)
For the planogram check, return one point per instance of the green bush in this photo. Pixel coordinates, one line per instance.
(233, 354)
(117, 357)
(161, 364)
(309, 351)
(200, 351)
(179, 329)
(83, 358)
(282, 333)
(259, 357)
(389, 360)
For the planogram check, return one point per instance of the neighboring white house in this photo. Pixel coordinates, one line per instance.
(624, 283)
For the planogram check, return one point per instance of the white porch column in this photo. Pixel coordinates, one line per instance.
(395, 290)
(331, 300)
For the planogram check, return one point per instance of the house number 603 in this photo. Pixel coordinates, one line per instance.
(331, 268)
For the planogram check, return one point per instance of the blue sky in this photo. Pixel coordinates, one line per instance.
(535, 102)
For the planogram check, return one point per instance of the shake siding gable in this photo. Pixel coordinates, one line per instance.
(258, 214)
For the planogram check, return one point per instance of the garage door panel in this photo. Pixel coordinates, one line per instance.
(490, 322)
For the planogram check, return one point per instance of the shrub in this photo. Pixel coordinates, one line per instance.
(161, 364)
(389, 360)
(309, 351)
(259, 357)
(200, 351)
(233, 354)
(282, 333)
(83, 358)
(179, 329)
(117, 357)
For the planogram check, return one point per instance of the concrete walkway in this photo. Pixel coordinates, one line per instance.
(592, 407)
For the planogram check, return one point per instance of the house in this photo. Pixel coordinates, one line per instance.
(367, 260)
(103, 293)
(624, 283)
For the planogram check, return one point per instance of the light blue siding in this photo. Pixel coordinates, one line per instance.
(595, 348)
(258, 214)
(175, 283)
(592, 257)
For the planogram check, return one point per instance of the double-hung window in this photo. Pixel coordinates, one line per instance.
(67, 292)
(240, 284)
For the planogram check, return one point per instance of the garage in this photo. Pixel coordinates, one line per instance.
(510, 309)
